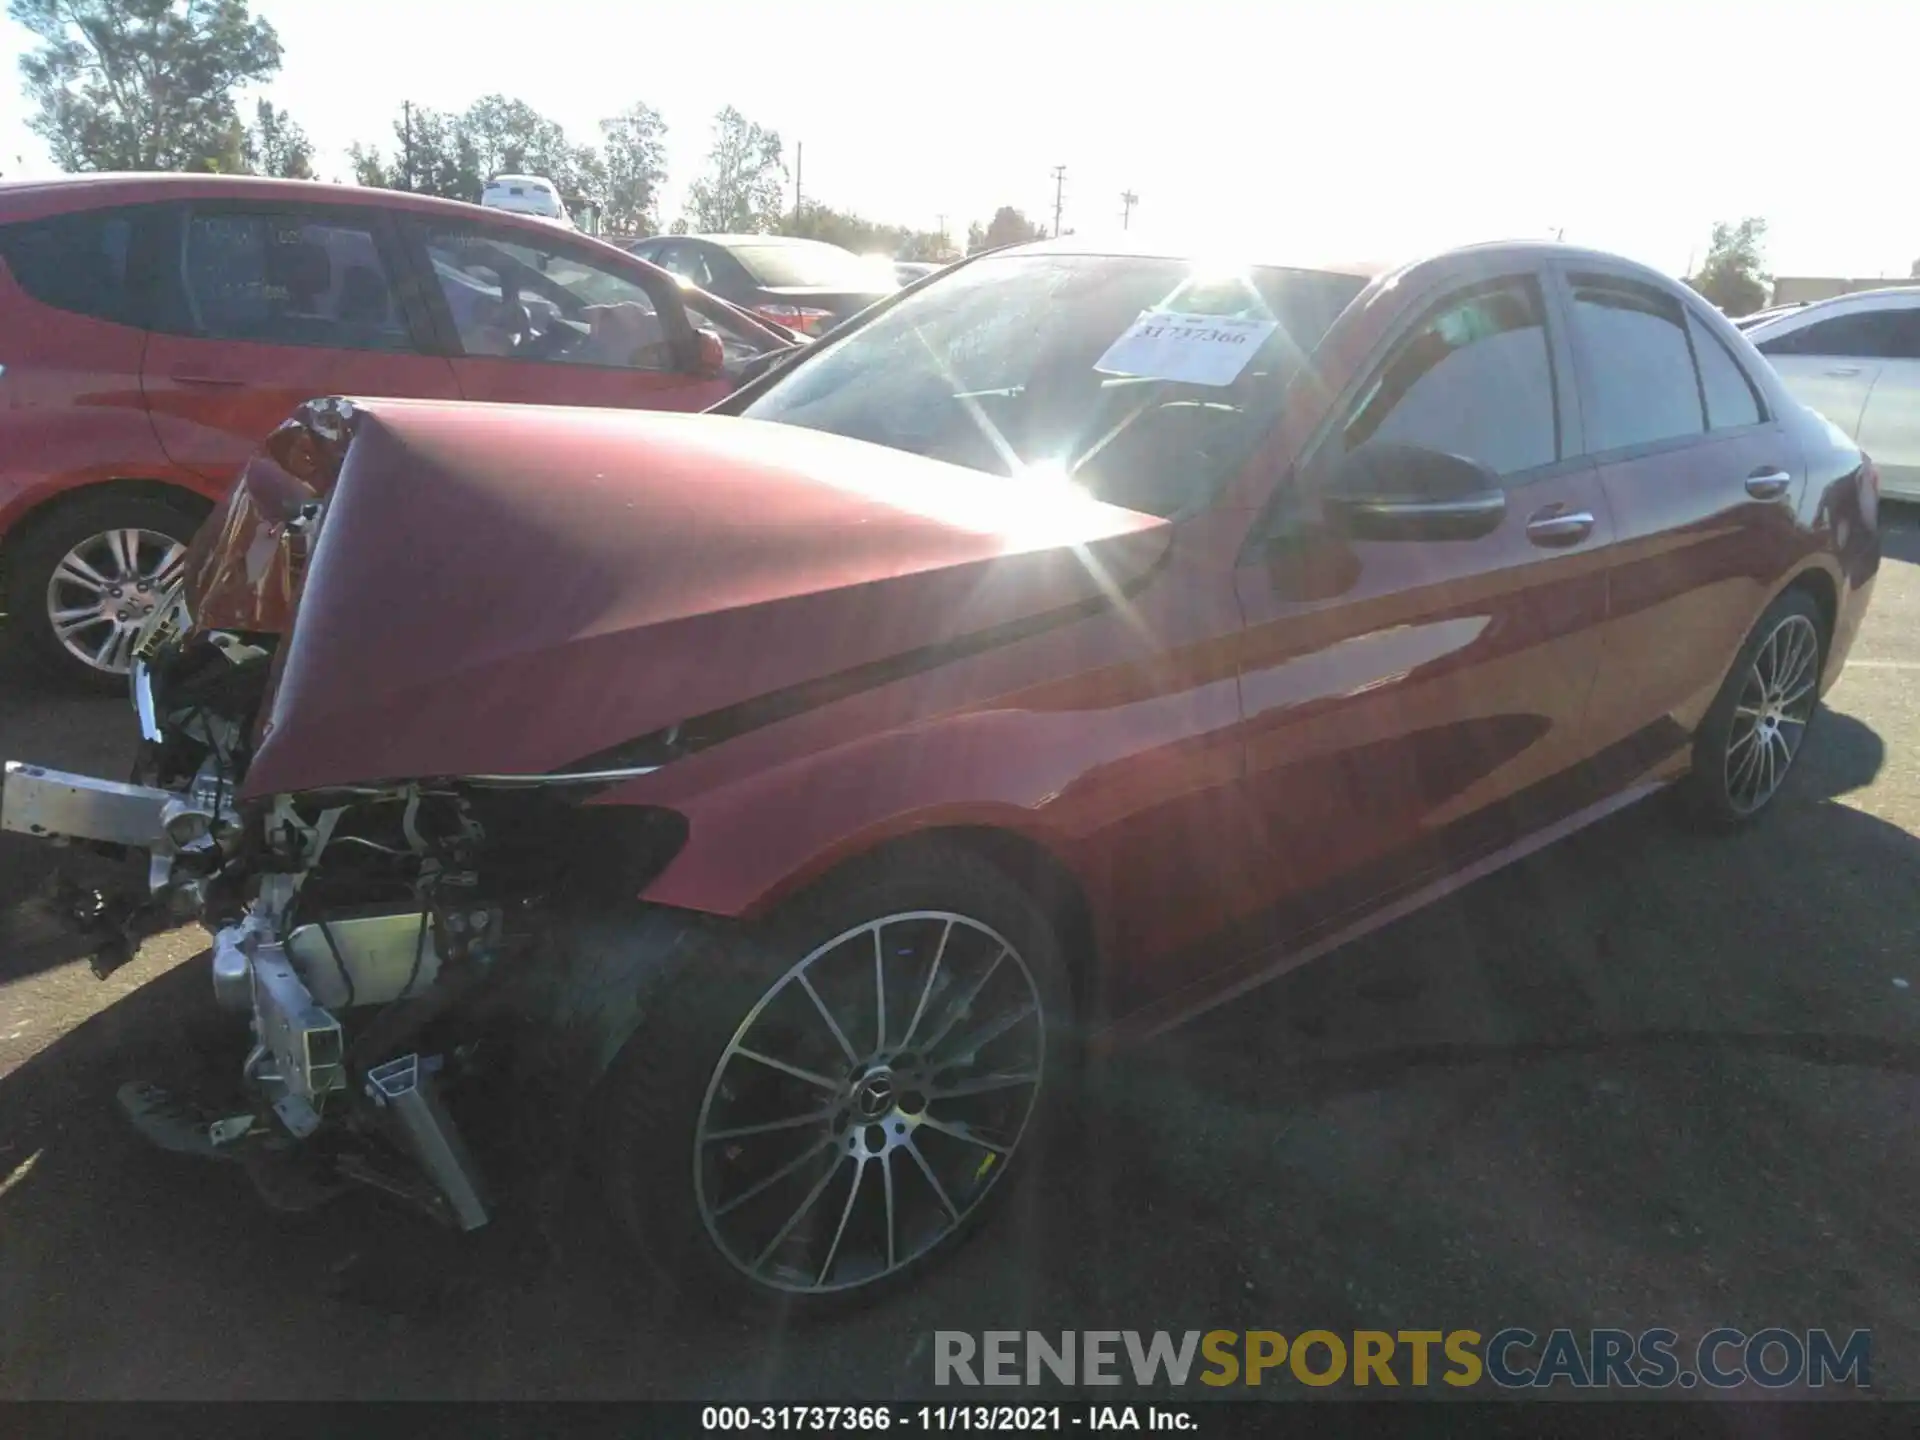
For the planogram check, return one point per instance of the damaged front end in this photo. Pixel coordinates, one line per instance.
(389, 943)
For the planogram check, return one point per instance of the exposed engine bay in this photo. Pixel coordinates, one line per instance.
(381, 939)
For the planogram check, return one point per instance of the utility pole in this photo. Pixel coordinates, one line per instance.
(1059, 186)
(406, 141)
(1127, 201)
(799, 158)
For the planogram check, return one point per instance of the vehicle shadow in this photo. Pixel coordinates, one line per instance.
(1647, 1077)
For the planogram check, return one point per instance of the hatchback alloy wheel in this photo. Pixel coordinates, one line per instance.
(104, 588)
(869, 1101)
(1770, 717)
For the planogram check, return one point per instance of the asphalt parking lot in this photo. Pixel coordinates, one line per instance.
(1647, 1078)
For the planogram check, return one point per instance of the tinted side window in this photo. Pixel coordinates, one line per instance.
(282, 278)
(1475, 378)
(1731, 402)
(1865, 334)
(1640, 381)
(75, 262)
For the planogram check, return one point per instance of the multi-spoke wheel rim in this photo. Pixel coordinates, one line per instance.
(1770, 718)
(104, 589)
(869, 1102)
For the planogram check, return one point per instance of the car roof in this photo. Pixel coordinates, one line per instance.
(29, 199)
(1887, 297)
(727, 240)
(1275, 254)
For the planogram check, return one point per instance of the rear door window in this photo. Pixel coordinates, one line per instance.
(285, 278)
(1474, 378)
(79, 263)
(1640, 386)
(1731, 398)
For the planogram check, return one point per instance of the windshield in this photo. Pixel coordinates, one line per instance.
(1012, 365)
(809, 264)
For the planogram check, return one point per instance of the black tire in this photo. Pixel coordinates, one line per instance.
(1709, 795)
(656, 1092)
(45, 542)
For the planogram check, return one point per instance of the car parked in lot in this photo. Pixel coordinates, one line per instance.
(772, 803)
(805, 285)
(154, 329)
(1856, 359)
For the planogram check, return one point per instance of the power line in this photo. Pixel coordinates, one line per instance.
(1059, 190)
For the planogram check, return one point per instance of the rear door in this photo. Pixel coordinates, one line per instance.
(1831, 365)
(1702, 482)
(1890, 425)
(541, 321)
(1414, 702)
(260, 307)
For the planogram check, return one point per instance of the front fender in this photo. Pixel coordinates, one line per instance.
(576, 1001)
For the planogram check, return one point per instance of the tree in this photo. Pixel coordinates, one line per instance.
(852, 232)
(1732, 276)
(276, 146)
(1914, 271)
(142, 84)
(634, 154)
(453, 156)
(1008, 227)
(744, 189)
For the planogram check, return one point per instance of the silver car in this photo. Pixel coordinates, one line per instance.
(1856, 359)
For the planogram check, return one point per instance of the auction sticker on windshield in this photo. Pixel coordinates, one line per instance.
(1194, 349)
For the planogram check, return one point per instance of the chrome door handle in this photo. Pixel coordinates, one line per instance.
(1768, 484)
(1843, 370)
(1559, 527)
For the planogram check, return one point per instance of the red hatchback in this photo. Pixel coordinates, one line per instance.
(155, 328)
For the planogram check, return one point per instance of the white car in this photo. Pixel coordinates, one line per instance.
(526, 195)
(1856, 359)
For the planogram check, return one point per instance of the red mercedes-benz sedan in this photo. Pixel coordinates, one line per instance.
(155, 328)
(773, 801)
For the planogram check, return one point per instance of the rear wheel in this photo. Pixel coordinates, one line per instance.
(81, 582)
(1754, 730)
(815, 1114)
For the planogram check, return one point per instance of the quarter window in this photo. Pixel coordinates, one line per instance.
(524, 301)
(1640, 381)
(77, 263)
(285, 279)
(1731, 401)
(1474, 379)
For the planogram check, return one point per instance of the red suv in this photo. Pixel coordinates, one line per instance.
(155, 328)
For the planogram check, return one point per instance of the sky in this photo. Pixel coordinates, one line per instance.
(1353, 128)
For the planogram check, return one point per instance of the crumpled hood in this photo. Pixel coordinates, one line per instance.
(502, 589)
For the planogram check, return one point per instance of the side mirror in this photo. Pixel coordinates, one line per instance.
(710, 354)
(1402, 492)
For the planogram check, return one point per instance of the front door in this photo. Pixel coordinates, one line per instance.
(1415, 679)
(558, 322)
(261, 308)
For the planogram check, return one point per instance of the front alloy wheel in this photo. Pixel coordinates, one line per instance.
(869, 1102)
(821, 1104)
